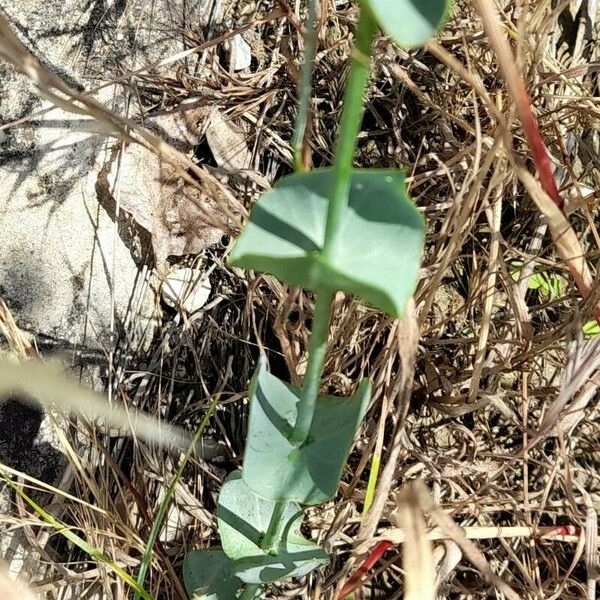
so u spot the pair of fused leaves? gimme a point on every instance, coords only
(379, 244)
(408, 22)
(276, 473)
(243, 520)
(279, 470)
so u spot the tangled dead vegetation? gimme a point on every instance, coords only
(486, 391)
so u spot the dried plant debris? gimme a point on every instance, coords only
(152, 192)
(502, 422)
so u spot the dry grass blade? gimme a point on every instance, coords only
(557, 534)
(516, 85)
(417, 555)
(456, 533)
(565, 238)
(408, 343)
(43, 383)
(580, 384)
(591, 547)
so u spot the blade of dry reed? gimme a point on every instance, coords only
(417, 555)
(457, 535)
(560, 533)
(43, 383)
(591, 547)
(518, 91)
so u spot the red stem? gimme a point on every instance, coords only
(373, 557)
(537, 146)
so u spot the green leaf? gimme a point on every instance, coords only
(380, 242)
(207, 575)
(550, 286)
(591, 328)
(409, 22)
(244, 519)
(279, 470)
(538, 281)
(514, 268)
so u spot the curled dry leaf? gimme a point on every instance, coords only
(227, 143)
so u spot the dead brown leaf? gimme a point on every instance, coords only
(227, 143)
(179, 217)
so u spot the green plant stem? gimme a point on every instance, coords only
(166, 501)
(338, 199)
(249, 592)
(267, 544)
(306, 74)
(316, 361)
(269, 540)
(349, 128)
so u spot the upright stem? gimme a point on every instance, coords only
(249, 592)
(338, 199)
(268, 542)
(349, 128)
(316, 360)
(310, 50)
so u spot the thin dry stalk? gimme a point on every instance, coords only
(417, 554)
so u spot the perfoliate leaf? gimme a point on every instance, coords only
(244, 518)
(207, 575)
(380, 239)
(279, 470)
(409, 22)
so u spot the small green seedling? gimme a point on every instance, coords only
(329, 230)
(549, 285)
(591, 328)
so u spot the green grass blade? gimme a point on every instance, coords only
(372, 483)
(166, 501)
(64, 530)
